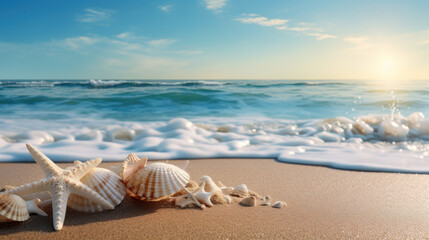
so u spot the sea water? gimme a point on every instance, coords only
(354, 125)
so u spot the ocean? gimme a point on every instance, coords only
(354, 125)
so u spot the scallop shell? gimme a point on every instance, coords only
(156, 181)
(132, 158)
(104, 182)
(14, 208)
(248, 202)
(241, 191)
(279, 204)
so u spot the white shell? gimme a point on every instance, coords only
(156, 181)
(104, 182)
(248, 202)
(14, 208)
(227, 199)
(210, 185)
(241, 191)
(266, 201)
(279, 204)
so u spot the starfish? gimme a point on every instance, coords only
(191, 197)
(204, 197)
(61, 183)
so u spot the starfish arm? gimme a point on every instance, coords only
(59, 206)
(44, 162)
(191, 200)
(37, 186)
(204, 197)
(199, 189)
(86, 192)
(82, 169)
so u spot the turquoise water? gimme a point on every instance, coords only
(164, 100)
(343, 124)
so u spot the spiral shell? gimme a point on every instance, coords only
(210, 185)
(104, 182)
(156, 181)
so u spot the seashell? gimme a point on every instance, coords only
(131, 165)
(210, 185)
(104, 182)
(228, 199)
(279, 204)
(266, 201)
(155, 181)
(132, 158)
(241, 191)
(14, 208)
(248, 201)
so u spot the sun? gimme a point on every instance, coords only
(388, 69)
(387, 65)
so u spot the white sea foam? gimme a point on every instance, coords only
(104, 83)
(375, 142)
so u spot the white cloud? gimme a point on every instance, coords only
(321, 36)
(305, 29)
(356, 40)
(78, 42)
(125, 35)
(161, 42)
(165, 8)
(360, 44)
(280, 24)
(189, 52)
(263, 21)
(215, 5)
(94, 15)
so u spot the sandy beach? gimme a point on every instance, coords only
(322, 203)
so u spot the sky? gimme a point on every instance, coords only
(214, 39)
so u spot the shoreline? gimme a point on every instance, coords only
(322, 203)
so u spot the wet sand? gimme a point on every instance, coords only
(322, 203)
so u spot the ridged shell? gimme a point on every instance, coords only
(132, 158)
(13, 208)
(241, 191)
(104, 182)
(156, 181)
